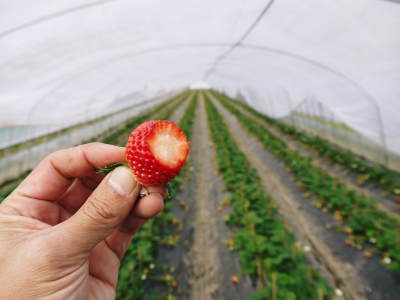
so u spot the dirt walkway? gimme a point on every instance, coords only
(201, 262)
(178, 113)
(344, 267)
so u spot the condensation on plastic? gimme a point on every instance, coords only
(65, 61)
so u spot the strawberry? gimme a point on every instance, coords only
(348, 230)
(156, 152)
(235, 280)
(368, 255)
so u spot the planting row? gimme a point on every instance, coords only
(266, 246)
(379, 176)
(361, 220)
(139, 263)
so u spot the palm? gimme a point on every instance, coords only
(93, 278)
(65, 229)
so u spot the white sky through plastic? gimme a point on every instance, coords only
(66, 61)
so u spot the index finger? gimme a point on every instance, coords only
(52, 177)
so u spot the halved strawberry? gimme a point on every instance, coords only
(156, 152)
(235, 279)
(368, 254)
(348, 230)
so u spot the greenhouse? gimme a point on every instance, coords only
(291, 187)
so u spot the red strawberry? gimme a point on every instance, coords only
(235, 279)
(156, 151)
(348, 230)
(368, 255)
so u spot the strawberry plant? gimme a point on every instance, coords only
(9, 187)
(266, 248)
(136, 267)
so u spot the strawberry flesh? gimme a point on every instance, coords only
(156, 151)
(168, 145)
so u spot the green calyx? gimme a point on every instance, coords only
(107, 169)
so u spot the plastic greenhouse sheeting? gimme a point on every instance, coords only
(69, 60)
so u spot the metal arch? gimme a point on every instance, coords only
(240, 41)
(52, 16)
(124, 84)
(326, 68)
(127, 55)
(316, 64)
(341, 75)
(117, 81)
(381, 132)
(393, 1)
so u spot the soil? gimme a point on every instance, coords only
(201, 263)
(344, 267)
(178, 113)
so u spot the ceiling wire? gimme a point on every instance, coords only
(394, 1)
(54, 15)
(239, 41)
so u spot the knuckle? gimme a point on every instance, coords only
(100, 212)
(91, 145)
(54, 155)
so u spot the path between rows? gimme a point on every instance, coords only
(178, 113)
(201, 262)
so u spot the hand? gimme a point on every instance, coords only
(64, 230)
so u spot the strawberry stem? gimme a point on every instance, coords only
(107, 169)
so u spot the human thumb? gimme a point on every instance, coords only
(104, 210)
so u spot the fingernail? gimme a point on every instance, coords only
(122, 181)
